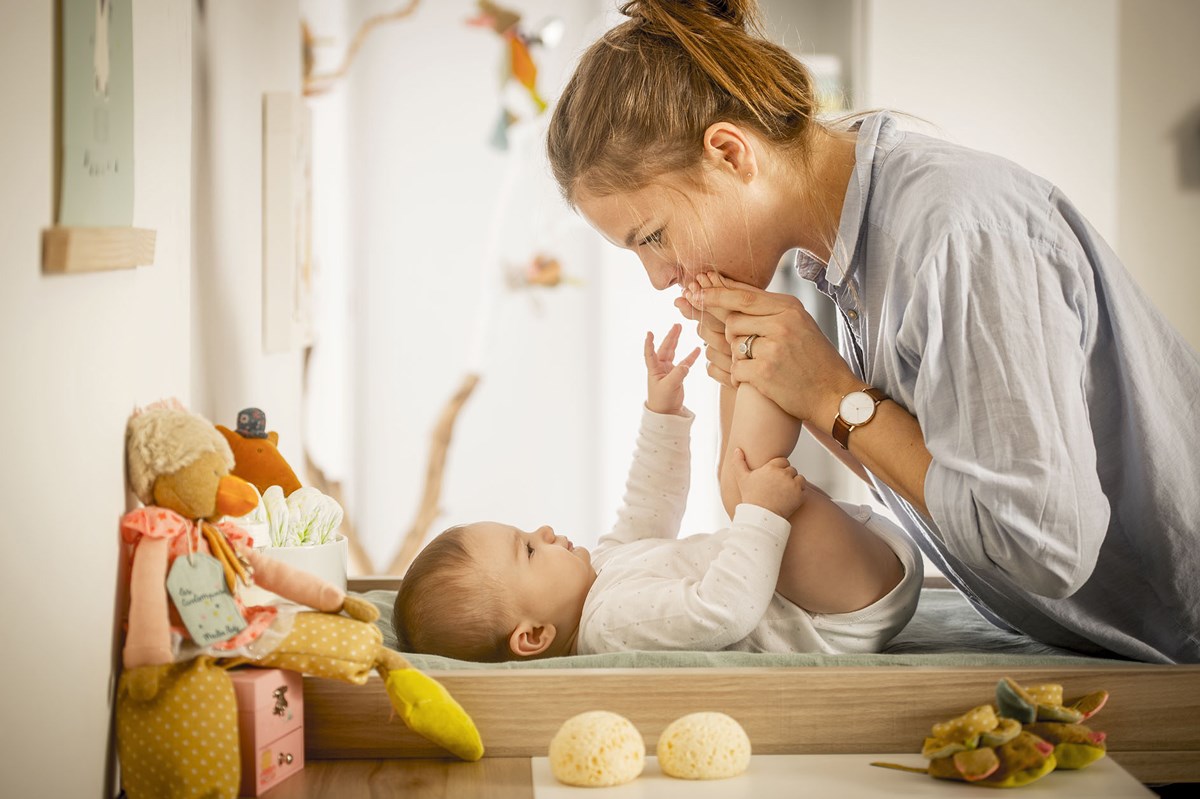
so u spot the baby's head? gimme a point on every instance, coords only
(490, 592)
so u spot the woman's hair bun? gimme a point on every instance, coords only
(734, 12)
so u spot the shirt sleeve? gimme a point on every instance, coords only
(998, 331)
(656, 612)
(659, 477)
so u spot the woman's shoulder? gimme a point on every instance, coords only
(926, 191)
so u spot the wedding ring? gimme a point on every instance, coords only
(745, 348)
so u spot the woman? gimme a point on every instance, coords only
(1002, 382)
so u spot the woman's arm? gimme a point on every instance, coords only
(728, 401)
(892, 446)
(1001, 326)
(994, 329)
(852, 463)
(797, 368)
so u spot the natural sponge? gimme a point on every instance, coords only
(597, 748)
(703, 746)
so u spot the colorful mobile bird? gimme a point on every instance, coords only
(518, 63)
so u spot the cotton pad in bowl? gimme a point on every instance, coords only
(597, 748)
(703, 746)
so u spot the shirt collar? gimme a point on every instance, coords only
(854, 208)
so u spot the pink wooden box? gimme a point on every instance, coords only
(270, 726)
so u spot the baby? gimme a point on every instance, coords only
(794, 572)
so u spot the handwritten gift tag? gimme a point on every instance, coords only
(202, 599)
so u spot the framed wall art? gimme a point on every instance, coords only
(94, 146)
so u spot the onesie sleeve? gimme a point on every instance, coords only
(997, 334)
(657, 612)
(657, 487)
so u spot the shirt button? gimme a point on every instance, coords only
(851, 314)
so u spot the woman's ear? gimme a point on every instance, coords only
(730, 149)
(530, 640)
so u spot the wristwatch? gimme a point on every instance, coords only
(855, 410)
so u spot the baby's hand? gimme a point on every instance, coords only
(664, 377)
(775, 485)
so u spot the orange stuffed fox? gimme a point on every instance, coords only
(256, 453)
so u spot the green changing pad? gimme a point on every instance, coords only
(945, 631)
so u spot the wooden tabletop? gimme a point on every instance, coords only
(490, 778)
(769, 777)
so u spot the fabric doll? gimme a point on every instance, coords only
(185, 620)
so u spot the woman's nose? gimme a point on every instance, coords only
(662, 273)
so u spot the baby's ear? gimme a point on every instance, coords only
(529, 640)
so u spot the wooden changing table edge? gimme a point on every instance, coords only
(1152, 718)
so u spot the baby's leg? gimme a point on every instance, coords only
(833, 563)
(762, 430)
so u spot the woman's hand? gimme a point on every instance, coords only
(776, 485)
(793, 363)
(711, 329)
(664, 377)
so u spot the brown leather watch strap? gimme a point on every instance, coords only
(841, 432)
(841, 429)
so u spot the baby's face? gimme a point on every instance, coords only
(547, 576)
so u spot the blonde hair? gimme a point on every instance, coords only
(163, 438)
(449, 605)
(642, 96)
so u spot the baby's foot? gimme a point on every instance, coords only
(708, 280)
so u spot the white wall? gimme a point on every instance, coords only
(1029, 80)
(1038, 83)
(77, 354)
(548, 435)
(242, 50)
(1159, 152)
(1099, 96)
(328, 434)
(628, 307)
(426, 252)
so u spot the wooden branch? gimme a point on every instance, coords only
(439, 446)
(315, 84)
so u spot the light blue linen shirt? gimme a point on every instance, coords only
(1059, 406)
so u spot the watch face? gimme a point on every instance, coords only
(856, 407)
